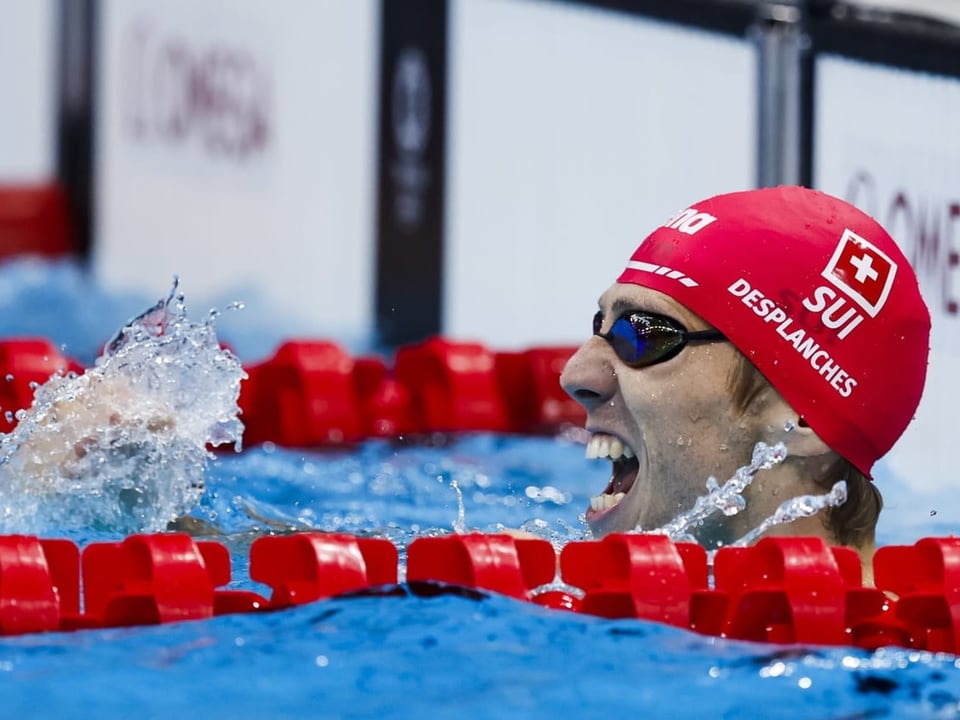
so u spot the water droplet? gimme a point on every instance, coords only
(932, 513)
(789, 426)
(9, 377)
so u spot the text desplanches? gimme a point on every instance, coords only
(802, 343)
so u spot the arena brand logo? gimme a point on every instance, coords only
(689, 221)
(663, 270)
(862, 271)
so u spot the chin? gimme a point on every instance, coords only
(618, 519)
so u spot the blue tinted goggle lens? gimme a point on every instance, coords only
(640, 338)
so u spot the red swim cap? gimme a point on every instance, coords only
(816, 295)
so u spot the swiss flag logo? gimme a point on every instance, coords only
(862, 271)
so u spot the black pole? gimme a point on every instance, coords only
(75, 115)
(410, 188)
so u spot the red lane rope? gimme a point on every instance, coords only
(35, 220)
(784, 590)
(313, 393)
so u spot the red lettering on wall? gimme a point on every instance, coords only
(926, 229)
(177, 93)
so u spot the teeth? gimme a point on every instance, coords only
(605, 446)
(616, 449)
(598, 503)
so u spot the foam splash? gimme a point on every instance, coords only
(124, 446)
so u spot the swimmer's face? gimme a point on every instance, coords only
(676, 418)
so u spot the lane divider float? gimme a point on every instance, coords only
(781, 590)
(312, 393)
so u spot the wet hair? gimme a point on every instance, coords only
(853, 523)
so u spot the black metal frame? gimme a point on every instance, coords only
(76, 102)
(409, 257)
(894, 39)
(731, 17)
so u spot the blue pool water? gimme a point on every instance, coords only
(406, 656)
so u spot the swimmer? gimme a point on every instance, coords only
(774, 315)
(125, 444)
(98, 412)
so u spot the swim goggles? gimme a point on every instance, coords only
(642, 338)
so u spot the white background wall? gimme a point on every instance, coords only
(573, 133)
(236, 147)
(887, 140)
(27, 90)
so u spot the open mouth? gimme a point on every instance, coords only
(623, 475)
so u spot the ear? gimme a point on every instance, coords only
(784, 424)
(802, 441)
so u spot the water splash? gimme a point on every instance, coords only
(124, 446)
(557, 534)
(802, 506)
(727, 499)
(460, 524)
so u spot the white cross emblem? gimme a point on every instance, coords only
(864, 266)
(862, 271)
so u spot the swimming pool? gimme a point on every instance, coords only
(455, 654)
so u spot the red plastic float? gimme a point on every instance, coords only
(29, 598)
(785, 590)
(312, 393)
(640, 576)
(302, 396)
(925, 578)
(24, 364)
(34, 220)
(453, 385)
(530, 384)
(305, 567)
(499, 563)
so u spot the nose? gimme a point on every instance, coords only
(589, 376)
